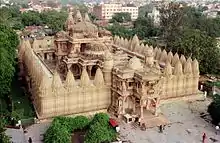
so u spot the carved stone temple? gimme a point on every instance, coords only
(84, 69)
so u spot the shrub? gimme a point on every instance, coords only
(100, 130)
(61, 128)
(102, 118)
(57, 133)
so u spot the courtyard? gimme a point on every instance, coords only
(186, 126)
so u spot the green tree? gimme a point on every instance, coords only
(57, 133)
(11, 16)
(100, 130)
(117, 29)
(55, 20)
(171, 21)
(121, 17)
(144, 28)
(144, 10)
(8, 44)
(31, 18)
(199, 45)
(194, 19)
(62, 127)
(98, 133)
(92, 17)
(3, 137)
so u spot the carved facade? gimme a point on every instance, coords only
(84, 69)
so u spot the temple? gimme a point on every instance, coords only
(84, 70)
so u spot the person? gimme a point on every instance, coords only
(204, 137)
(217, 129)
(30, 140)
(161, 129)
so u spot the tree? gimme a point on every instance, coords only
(194, 19)
(200, 46)
(144, 28)
(121, 17)
(55, 20)
(62, 127)
(117, 29)
(57, 133)
(3, 137)
(144, 10)
(31, 18)
(214, 109)
(11, 17)
(8, 43)
(100, 130)
(92, 17)
(98, 133)
(171, 21)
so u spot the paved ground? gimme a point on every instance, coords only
(186, 126)
(16, 135)
(36, 132)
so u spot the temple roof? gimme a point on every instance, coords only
(135, 63)
(97, 46)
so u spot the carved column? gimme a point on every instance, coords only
(134, 104)
(142, 108)
(148, 104)
(157, 106)
(89, 71)
(123, 103)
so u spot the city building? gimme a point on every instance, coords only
(107, 10)
(85, 70)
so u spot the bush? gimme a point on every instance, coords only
(102, 118)
(57, 133)
(100, 130)
(214, 109)
(62, 127)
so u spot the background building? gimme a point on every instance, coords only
(106, 11)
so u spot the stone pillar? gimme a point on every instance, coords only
(89, 71)
(148, 104)
(75, 49)
(142, 114)
(123, 108)
(51, 56)
(134, 105)
(157, 106)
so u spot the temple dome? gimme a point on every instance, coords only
(135, 63)
(85, 26)
(96, 48)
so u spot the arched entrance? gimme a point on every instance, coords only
(62, 70)
(82, 47)
(128, 105)
(76, 70)
(93, 71)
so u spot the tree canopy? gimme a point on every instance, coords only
(117, 29)
(121, 17)
(144, 28)
(15, 19)
(3, 137)
(196, 44)
(97, 130)
(8, 44)
(100, 130)
(61, 128)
